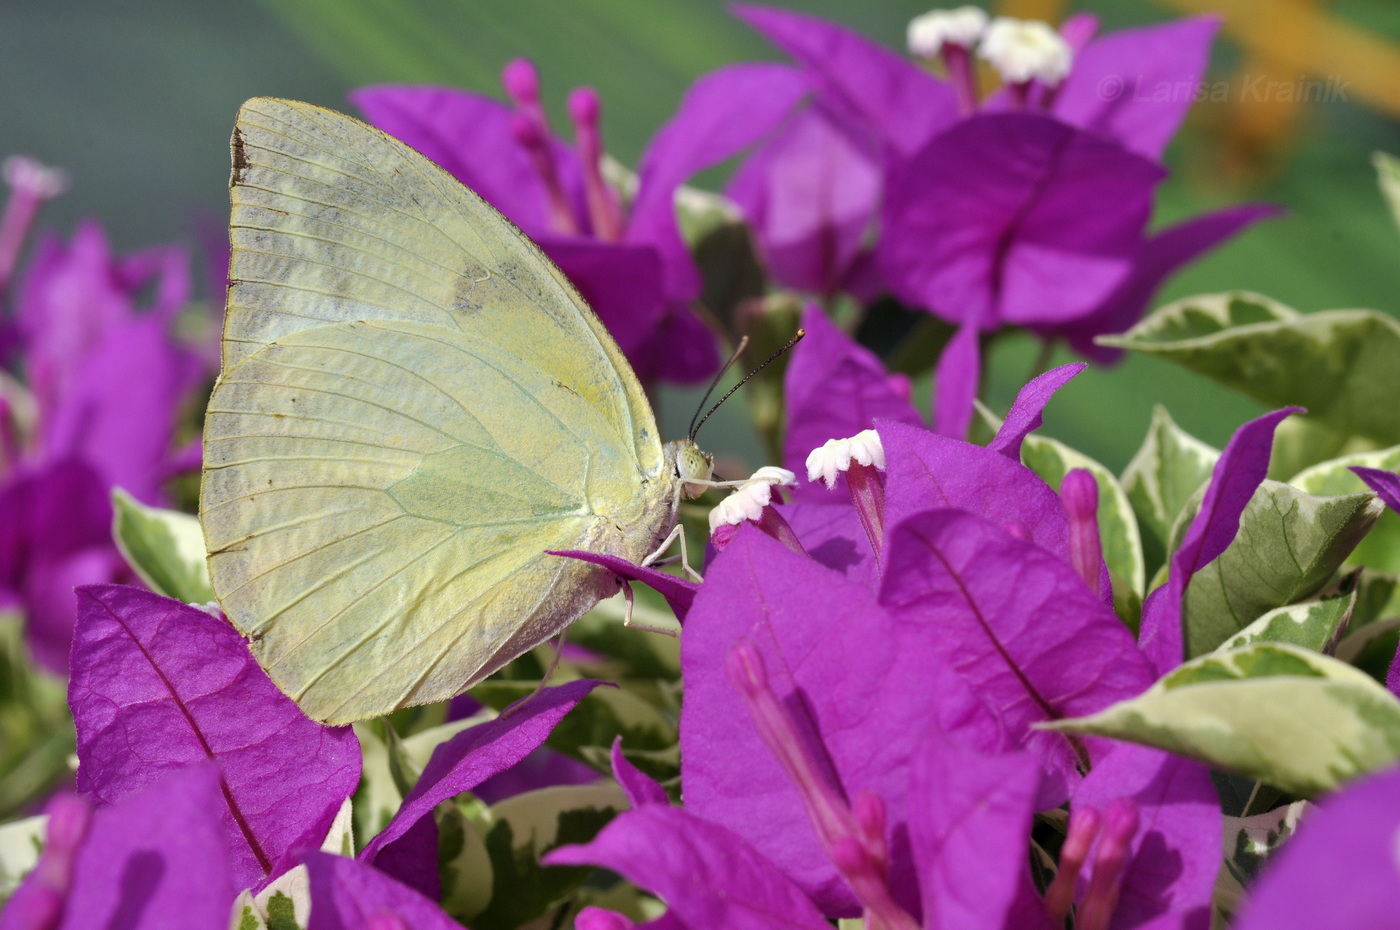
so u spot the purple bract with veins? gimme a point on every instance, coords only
(1027, 207)
(158, 685)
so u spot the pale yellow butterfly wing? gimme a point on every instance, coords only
(414, 406)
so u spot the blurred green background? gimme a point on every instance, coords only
(136, 101)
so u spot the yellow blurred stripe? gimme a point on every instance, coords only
(1051, 11)
(1295, 37)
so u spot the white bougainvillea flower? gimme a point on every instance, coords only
(1023, 50)
(836, 456)
(929, 33)
(748, 499)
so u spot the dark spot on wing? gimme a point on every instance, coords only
(240, 159)
(238, 546)
(561, 384)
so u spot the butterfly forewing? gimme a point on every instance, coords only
(334, 221)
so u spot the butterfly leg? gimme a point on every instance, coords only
(558, 654)
(631, 599)
(629, 621)
(677, 533)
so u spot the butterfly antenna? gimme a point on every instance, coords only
(695, 427)
(733, 357)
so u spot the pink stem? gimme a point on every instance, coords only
(1084, 823)
(531, 130)
(963, 75)
(868, 495)
(586, 112)
(30, 185)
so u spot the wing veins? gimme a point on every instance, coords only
(287, 285)
(456, 440)
(274, 416)
(301, 555)
(291, 487)
(309, 458)
(417, 216)
(499, 450)
(419, 258)
(442, 653)
(511, 379)
(341, 206)
(291, 648)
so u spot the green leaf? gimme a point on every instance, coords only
(36, 727)
(248, 919)
(377, 797)
(277, 905)
(1250, 841)
(1380, 549)
(1371, 649)
(1167, 470)
(1388, 174)
(419, 747)
(281, 913)
(165, 547)
(404, 765)
(463, 862)
(1335, 476)
(636, 654)
(1339, 364)
(1314, 625)
(1118, 530)
(588, 732)
(525, 827)
(20, 845)
(340, 838)
(1295, 719)
(1374, 634)
(1288, 546)
(1302, 442)
(1377, 597)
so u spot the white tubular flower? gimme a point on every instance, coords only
(836, 455)
(930, 32)
(748, 499)
(1024, 50)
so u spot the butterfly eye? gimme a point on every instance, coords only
(694, 469)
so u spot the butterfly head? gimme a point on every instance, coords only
(693, 467)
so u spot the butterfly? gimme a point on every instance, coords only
(414, 405)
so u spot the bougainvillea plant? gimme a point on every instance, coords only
(941, 672)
